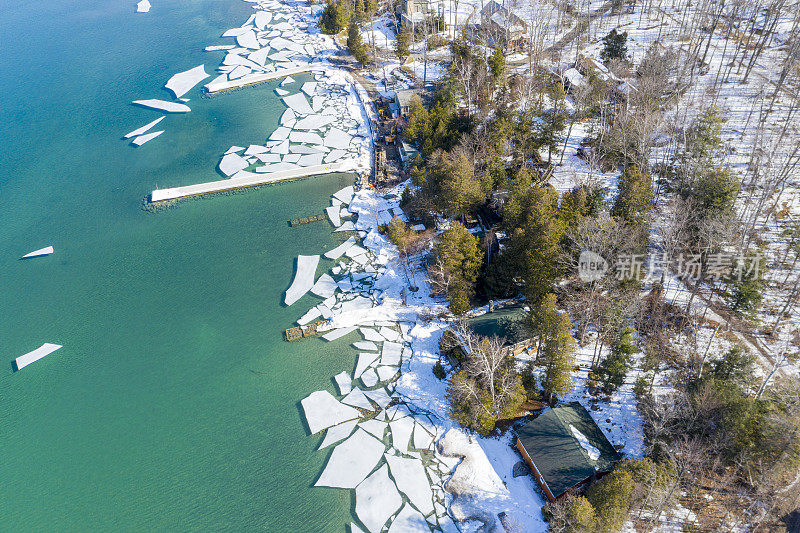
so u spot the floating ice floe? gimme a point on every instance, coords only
(255, 149)
(355, 529)
(182, 82)
(259, 56)
(233, 32)
(322, 410)
(336, 138)
(351, 461)
(345, 195)
(364, 360)
(281, 92)
(304, 279)
(234, 149)
(324, 287)
(305, 137)
(288, 118)
(385, 373)
(377, 499)
(310, 160)
(309, 88)
(365, 346)
(338, 432)
(298, 103)
(343, 382)
(337, 252)
(371, 335)
(144, 129)
(409, 474)
(216, 47)
(232, 163)
(163, 105)
(356, 398)
(401, 432)
(287, 81)
(347, 226)
(261, 19)
(389, 334)
(391, 353)
(141, 139)
(380, 397)
(281, 134)
(314, 122)
(143, 6)
(374, 427)
(268, 158)
(338, 333)
(40, 252)
(31, 357)
(248, 39)
(334, 155)
(369, 377)
(408, 520)
(422, 438)
(333, 215)
(355, 251)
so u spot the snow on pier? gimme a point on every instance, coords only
(31, 357)
(246, 179)
(304, 279)
(251, 79)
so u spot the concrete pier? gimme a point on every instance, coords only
(252, 79)
(251, 180)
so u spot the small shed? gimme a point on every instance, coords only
(565, 449)
(402, 99)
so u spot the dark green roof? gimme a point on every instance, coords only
(557, 452)
(497, 322)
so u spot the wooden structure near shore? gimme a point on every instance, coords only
(301, 332)
(307, 220)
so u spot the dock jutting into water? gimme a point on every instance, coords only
(252, 79)
(252, 180)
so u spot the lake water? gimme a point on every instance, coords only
(174, 402)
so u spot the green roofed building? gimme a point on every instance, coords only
(565, 449)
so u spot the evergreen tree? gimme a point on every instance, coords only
(615, 46)
(453, 184)
(418, 127)
(614, 368)
(553, 120)
(746, 286)
(334, 18)
(611, 499)
(557, 353)
(634, 201)
(403, 48)
(736, 366)
(573, 208)
(354, 43)
(458, 255)
(497, 66)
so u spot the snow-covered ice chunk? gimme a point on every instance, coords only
(374, 427)
(364, 360)
(310, 160)
(309, 316)
(313, 122)
(334, 155)
(377, 499)
(298, 103)
(145, 128)
(217, 47)
(345, 195)
(143, 6)
(40, 252)
(409, 474)
(31, 357)
(337, 252)
(305, 137)
(288, 118)
(390, 355)
(322, 410)
(355, 529)
(333, 215)
(259, 56)
(389, 334)
(304, 279)
(379, 396)
(343, 382)
(232, 163)
(338, 333)
(248, 40)
(422, 439)
(337, 433)
(287, 81)
(356, 398)
(261, 19)
(182, 82)
(369, 378)
(408, 520)
(371, 335)
(163, 105)
(324, 287)
(281, 92)
(365, 345)
(347, 226)
(401, 432)
(336, 138)
(141, 139)
(385, 373)
(233, 32)
(309, 88)
(351, 461)
(281, 133)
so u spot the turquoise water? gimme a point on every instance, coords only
(174, 402)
